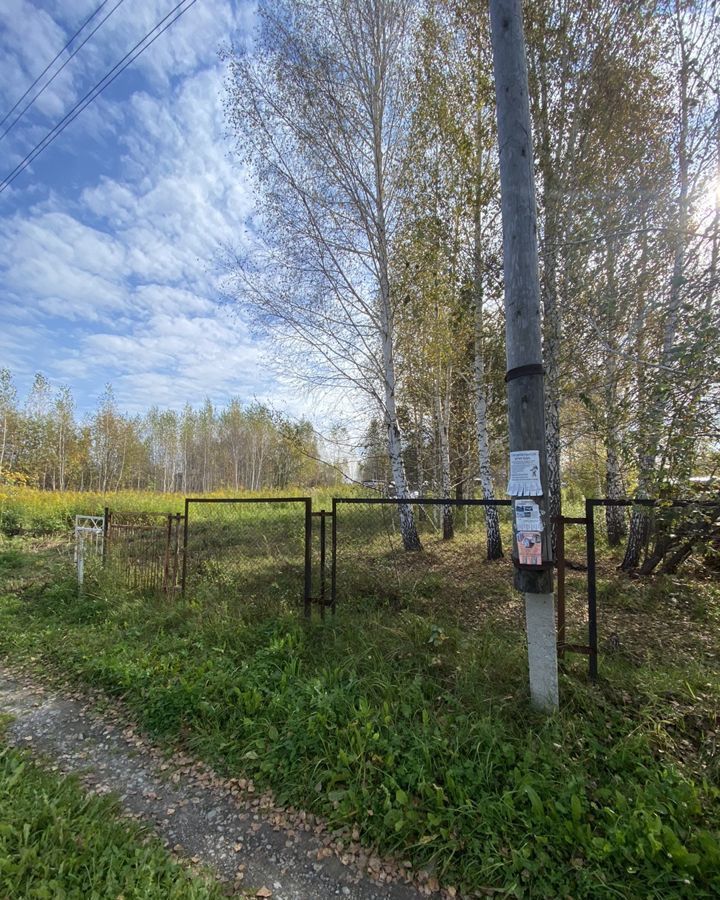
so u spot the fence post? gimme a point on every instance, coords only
(308, 559)
(168, 541)
(322, 563)
(176, 554)
(106, 533)
(80, 554)
(333, 561)
(560, 549)
(592, 589)
(185, 546)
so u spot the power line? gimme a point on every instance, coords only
(104, 82)
(55, 75)
(53, 60)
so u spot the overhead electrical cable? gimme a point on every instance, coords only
(104, 82)
(53, 60)
(55, 74)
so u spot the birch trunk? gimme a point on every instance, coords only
(418, 428)
(411, 539)
(614, 515)
(492, 521)
(62, 439)
(442, 416)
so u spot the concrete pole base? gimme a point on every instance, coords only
(542, 651)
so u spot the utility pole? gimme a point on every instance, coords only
(532, 553)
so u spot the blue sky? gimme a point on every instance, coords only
(109, 242)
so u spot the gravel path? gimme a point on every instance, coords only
(253, 845)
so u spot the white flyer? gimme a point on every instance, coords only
(527, 516)
(524, 478)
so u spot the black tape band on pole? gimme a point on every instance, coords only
(521, 371)
(544, 566)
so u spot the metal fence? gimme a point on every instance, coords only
(279, 548)
(666, 511)
(254, 548)
(142, 549)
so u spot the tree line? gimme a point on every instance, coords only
(369, 131)
(209, 448)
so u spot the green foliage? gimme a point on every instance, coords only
(413, 728)
(57, 843)
(42, 444)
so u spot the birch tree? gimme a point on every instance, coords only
(486, 224)
(8, 416)
(609, 279)
(690, 299)
(428, 253)
(37, 437)
(64, 435)
(452, 216)
(320, 107)
(566, 45)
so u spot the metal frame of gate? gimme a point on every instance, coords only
(307, 503)
(89, 529)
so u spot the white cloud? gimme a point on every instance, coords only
(28, 35)
(119, 281)
(61, 265)
(122, 279)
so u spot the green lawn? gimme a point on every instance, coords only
(413, 724)
(57, 843)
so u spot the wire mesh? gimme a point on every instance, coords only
(372, 564)
(320, 585)
(250, 549)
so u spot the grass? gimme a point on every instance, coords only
(404, 720)
(57, 842)
(28, 511)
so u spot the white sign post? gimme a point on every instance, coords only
(90, 528)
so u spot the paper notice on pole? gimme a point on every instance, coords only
(529, 548)
(527, 516)
(524, 478)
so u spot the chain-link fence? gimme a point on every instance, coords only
(420, 552)
(588, 562)
(250, 548)
(423, 554)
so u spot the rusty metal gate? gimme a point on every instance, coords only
(144, 549)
